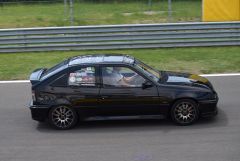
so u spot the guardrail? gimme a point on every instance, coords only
(120, 37)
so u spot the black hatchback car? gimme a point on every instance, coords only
(117, 85)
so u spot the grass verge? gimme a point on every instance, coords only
(89, 13)
(195, 60)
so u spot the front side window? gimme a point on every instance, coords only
(82, 77)
(121, 77)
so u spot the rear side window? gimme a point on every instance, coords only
(85, 76)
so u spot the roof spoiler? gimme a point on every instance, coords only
(36, 75)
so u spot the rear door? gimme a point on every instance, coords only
(84, 88)
(79, 86)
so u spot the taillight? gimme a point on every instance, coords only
(33, 95)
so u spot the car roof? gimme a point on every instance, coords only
(101, 59)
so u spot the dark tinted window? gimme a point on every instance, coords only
(60, 81)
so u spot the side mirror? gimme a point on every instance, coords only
(147, 84)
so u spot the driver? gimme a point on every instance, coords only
(117, 79)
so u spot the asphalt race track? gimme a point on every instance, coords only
(218, 139)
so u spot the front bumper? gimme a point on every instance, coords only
(39, 112)
(208, 108)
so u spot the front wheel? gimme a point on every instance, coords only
(185, 112)
(62, 117)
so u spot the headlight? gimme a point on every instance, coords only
(213, 96)
(43, 97)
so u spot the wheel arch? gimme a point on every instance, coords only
(182, 98)
(60, 102)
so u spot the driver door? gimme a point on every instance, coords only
(119, 98)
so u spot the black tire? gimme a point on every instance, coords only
(62, 117)
(185, 112)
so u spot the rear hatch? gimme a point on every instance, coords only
(36, 75)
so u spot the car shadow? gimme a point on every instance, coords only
(135, 125)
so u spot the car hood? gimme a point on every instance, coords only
(186, 79)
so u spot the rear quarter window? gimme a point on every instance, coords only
(55, 69)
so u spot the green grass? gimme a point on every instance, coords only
(87, 13)
(194, 60)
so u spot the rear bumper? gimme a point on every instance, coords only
(208, 108)
(38, 112)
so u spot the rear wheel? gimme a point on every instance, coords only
(62, 117)
(185, 112)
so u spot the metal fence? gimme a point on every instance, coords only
(120, 37)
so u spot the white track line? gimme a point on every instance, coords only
(221, 75)
(204, 75)
(15, 81)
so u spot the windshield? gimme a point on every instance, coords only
(54, 69)
(149, 71)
